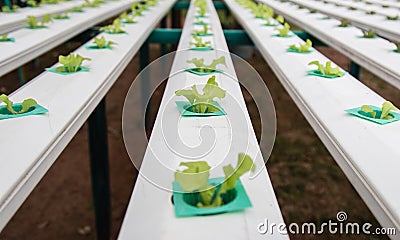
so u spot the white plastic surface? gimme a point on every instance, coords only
(368, 153)
(375, 54)
(31, 144)
(30, 44)
(13, 21)
(150, 214)
(385, 28)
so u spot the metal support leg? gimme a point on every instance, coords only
(21, 76)
(98, 146)
(355, 70)
(145, 81)
(163, 47)
(36, 62)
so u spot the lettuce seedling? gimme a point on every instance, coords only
(26, 104)
(3, 37)
(78, 9)
(327, 70)
(201, 67)
(203, 31)
(60, 16)
(195, 179)
(202, 10)
(71, 63)
(302, 47)
(94, 3)
(384, 113)
(397, 47)
(7, 9)
(352, 8)
(280, 19)
(198, 42)
(32, 3)
(102, 42)
(370, 12)
(49, 1)
(32, 21)
(393, 18)
(284, 32)
(344, 23)
(116, 27)
(203, 103)
(126, 18)
(137, 9)
(369, 34)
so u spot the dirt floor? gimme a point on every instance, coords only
(310, 187)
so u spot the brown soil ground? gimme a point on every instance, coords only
(309, 185)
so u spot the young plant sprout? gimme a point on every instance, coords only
(49, 1)
(137, 8)
(370, 12)
(150, 2)
(4, 38)
(201, 67)
(32, 3)
(344, 23)
(327, 70)
(369, 34)
(116, 27)
(126, 18)
(60, 16)
(303, 48)
(102, 42)
(397, 47)
(393, 18)
(194, 179)
(78, 9)
(383, 114)
(33, 23)
(313, 11)
(280, 19)
(203, 103)
(198, 42)
(284, 32)
(352, 8)
(202, 10)
(204, 31)
(7, 9)
(25, 106)
(71, 63)
(92, 4)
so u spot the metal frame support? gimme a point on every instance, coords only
(8, 3)
(21, 76)
(98, 148)
(355, 70)
(144, 54)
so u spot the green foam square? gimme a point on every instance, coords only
(208, 48)
(297, 51)
(183, 209)
(288, 36)
(81, 69)
(357, 112)
(270, 24)
(195, 71)
(95, 47)
(11, 39)
(319, 74)
(200, 23)
(5, 114)
(203, 34)
(184, 105)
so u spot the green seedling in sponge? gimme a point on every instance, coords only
(327, 70)
(71, 63)
(32, 21)
(125, 17)
(92, 4)
(4, 38)
(284, 32)
(60, 16)
(26, 104)
(195, 179)
(280, 19)
(397, 47)
(385, 112)
(198, 42)
(201, 67)
(344, 23)
(102, 42)
(32, 3)
(116, 27)
(369, 34)
(393, 18)
(203, 31)
(302, 47)
(7, 9)
(203, 103)
(78, 9)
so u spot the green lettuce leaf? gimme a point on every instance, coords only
(386, 108)
(194, 177)
(26, 104)
(71, 63)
